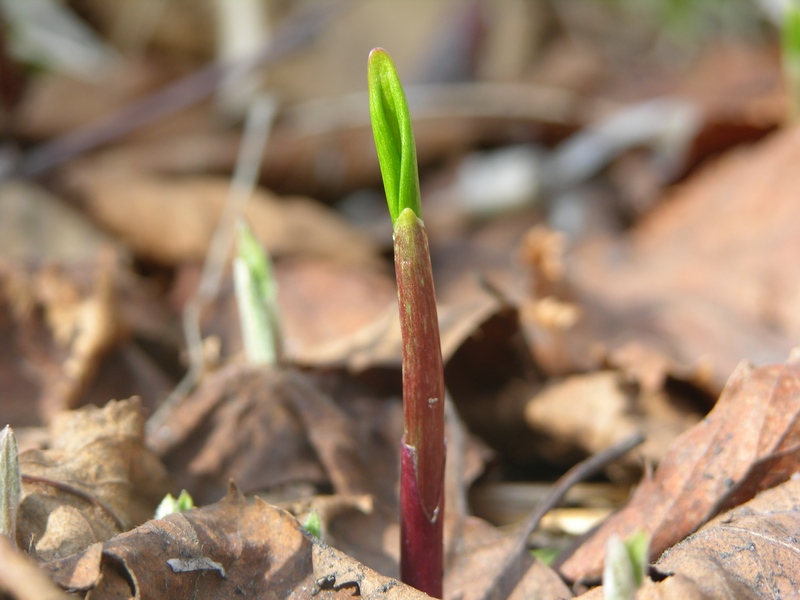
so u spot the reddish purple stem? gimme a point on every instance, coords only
(421, 552)
(423, 450)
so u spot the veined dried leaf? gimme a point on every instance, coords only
(749, 442)
(237, 546)
(96, 480)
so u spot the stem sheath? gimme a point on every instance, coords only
(423, 449)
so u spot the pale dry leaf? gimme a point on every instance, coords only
(596, 410)
(470, 576)
(22, 578)
(747, 443)
(172, 220)
(236, 546)
(37, 226)
(63, 322)
(705, 281)
(96, 480)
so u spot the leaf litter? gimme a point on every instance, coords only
(636, 330)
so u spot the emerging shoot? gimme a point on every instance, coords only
(313, 524)
(257, 299)
(423, 446)
(626, 564)
(170, 504)
(790, 41)
(10, 484)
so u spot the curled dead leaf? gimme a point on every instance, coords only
(747, 443)
(96, 480)
(238, 546)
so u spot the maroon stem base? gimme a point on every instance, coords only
(421, 537)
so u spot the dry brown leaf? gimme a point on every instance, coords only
(96, 480)
(748, 443)
(63, 325)
(378, 343)
(234, 547)
(749, 552)
(470, 577)
(263, 427)
(36, 226)
(172, 220)
(704, 282)
(596, 410)
(73, 333)
(21, 577)
(56, 103)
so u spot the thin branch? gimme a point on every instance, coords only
(178, 95)
(509, 574)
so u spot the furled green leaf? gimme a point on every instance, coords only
(394, 138)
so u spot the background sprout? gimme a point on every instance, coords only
(257, 300)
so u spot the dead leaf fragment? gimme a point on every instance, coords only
(749, 552)
(265, 428)
(35, 226)
(21, 577)
(238, 546)
(471, 576)
(596, 410)
(747, 443)
(62, 322)
(172, 220)
(96, 480)
(706, 280)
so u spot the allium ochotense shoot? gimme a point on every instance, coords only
(423, 445)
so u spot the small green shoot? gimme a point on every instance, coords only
(10, 484)
(626, 565)
(170, 504)
(313, 524)
(394, 138)
(257, 299)
(790, 42)
(546, 555)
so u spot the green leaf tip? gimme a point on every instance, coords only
(10, 484)
(625, 566)
(790, 34)
(394, 137)
(313, 524)
(257, 300)
(170, 504)
(790, 42)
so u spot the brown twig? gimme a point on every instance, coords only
(178, 95)
(509, 574)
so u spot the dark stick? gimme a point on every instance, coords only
(178, 95)
(510, 572)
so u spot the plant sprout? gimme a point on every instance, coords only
(625, 567)
(257, 300)
(313, 524)
(170, 504)
(790, 41)
(423, 445)
(10, 484)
